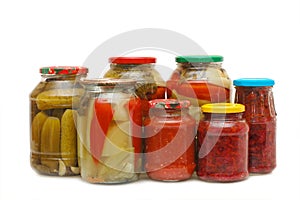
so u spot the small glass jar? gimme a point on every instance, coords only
(149, 83)
(54, 104)
(257, 96)
(170, 145)
(223, 143)
(109, 129)
(201, 80)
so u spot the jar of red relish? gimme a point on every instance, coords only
(256, 94)
(149, 83)
(223, 143)
(201, 80)
(170, 146)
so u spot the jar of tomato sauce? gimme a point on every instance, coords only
(149, 83)
(201, 80)
(256, 94)
(53, 104)
(223, 143)
(169, 144)
(109, 127)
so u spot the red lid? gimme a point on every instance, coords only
(169, 103)
(132, 60)
(64, 70)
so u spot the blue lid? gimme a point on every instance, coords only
(254, 82)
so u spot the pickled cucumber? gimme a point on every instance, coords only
(50, 143)
(36, 129)
(68, 142)
(59, 98)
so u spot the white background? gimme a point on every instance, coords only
(257, 39)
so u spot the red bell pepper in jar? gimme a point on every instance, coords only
(256, 94)
(222, 143)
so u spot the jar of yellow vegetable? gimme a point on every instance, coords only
(54, 103)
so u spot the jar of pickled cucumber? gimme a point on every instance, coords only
(201, 80)
(149, 83)
(109, 129)
(54, 104)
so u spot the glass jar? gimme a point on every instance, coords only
(54, 103)
(256, 94)
(222, 143)
(201, 80)
(109, 129)
(169, 143)
(149, 83)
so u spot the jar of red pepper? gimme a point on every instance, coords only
(201, 79)
(222, 143)
(109, 124)
(256, 94)
(170, 146)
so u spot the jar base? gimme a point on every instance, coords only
(224, 178)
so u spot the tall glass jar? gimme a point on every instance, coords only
(109, 130)
(149, 83)
(201, 80)
(170, 147)
(256, 94)
(223, 143)
(54, 104)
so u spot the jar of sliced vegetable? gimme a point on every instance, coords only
(223, 143)
(109, 129)
(256, 94)
(201, 80)
(149, 83)
(54, 104)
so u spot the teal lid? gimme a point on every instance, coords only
(253, 82)
(199, 59)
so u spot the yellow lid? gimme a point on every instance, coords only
(223, 108)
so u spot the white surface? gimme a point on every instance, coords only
(257, 38)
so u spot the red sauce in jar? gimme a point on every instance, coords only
(169, 143)
(256, 95)
(222, 146)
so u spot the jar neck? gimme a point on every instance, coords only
(62, 77)
(200, 65)
(223, 116)
(128, 67)
(168, 113)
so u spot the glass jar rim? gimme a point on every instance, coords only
(108, 82)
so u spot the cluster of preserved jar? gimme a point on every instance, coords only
(131, 122)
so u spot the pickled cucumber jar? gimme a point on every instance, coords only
(149, 83)
(201, 80)
(54, 104)
(109, 126)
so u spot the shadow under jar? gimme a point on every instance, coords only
(109, 131)
(54, 104)
(222, 143)
(169, 143)
(257, 96)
